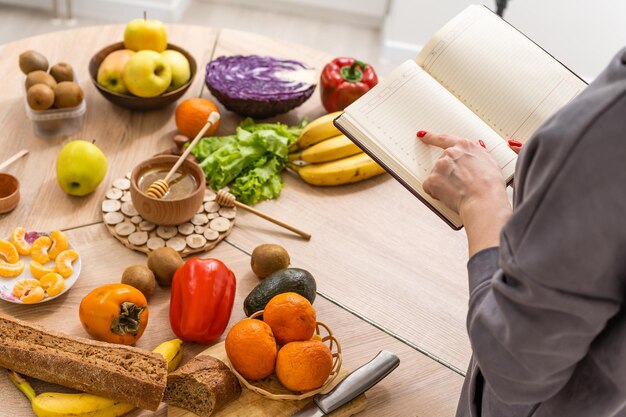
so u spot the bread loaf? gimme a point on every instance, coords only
(118, 372)
(202, 386)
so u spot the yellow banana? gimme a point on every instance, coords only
(331, 149)
(56, 404)
(172, 351)
(318, 130)
(343, 171)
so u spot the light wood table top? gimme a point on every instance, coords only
(420, 386)
(376, 251)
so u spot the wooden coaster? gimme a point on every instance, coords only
(203, 232)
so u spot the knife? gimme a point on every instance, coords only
(352, 386)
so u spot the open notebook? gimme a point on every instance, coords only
(477, 77)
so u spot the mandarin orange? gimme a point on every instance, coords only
(304, 366)
(192, 114)
(291, 317)
(251, 348)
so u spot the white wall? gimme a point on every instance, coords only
(584, 35)
(115, 10)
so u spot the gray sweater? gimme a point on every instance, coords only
(547, 320)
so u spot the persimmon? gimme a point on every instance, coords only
(251, 348)
(114, 313)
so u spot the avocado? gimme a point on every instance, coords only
(285, 280)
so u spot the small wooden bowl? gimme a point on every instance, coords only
(167, 212)
(9, 192)
(271, 388)
(134, 102)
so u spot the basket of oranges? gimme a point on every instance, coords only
(283, 352)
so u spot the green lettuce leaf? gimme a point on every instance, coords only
(251, 159)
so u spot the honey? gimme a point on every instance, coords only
(181, 184)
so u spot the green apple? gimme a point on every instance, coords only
(81, 166)
(141, 34)
(110, 71)
(181, 71)
(147, 74)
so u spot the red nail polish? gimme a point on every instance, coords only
(515, 143)
(421, 133)
(481, 143)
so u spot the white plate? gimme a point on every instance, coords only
(7, 284)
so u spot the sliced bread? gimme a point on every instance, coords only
(122, 373)
(202, 386)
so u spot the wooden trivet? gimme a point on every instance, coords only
(211, 223)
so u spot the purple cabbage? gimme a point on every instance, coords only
(257, 86)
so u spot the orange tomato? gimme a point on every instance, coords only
(114, 313)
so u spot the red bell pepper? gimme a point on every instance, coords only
(343, 81)
(203, 293)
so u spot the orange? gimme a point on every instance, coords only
(8, 270)
(291, 317)
(304, 366)
(9, 252)
(59, 243)
(53, 283)
(251, 348)
(64, 262)
(192, 114)
(38, 270)
(39, 249)
(29, 291)
(18, 239)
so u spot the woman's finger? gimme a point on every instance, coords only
(438, 140)
(515, 146)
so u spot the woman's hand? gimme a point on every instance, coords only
(468, 180)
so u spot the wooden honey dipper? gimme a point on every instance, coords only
(159, 188)
(224, 198)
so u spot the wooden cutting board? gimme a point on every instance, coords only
(250, 404)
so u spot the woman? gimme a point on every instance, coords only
(547, 280)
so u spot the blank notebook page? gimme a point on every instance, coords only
(409, 100)
(508, 81)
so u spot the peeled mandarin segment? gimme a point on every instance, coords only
(8, 270)
(53, 283)
(38, 270)
(25, 286)
(64, 262)
(34, 296)
(9, 252)
(18, 239)
(59, 243)
(39, 249)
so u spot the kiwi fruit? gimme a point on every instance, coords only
(140, 277)
(67, 94)
(268, 258)
(33, 61)
(164, 262)
(40, 97)
(62, 72)
(40, 77)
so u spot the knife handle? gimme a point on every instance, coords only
(358, 381)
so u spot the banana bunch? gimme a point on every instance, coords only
(331, 158)
(56, 404)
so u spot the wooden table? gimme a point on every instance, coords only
(391, 274)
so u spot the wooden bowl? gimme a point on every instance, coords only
(271, 388)
(167, 212)
(9, 192)
(134, 102)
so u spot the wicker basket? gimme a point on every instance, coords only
(271, 388)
